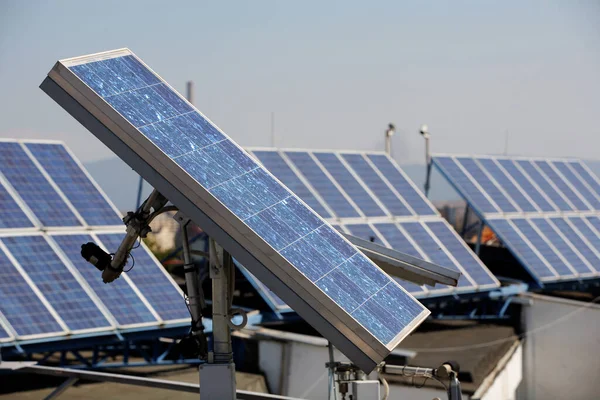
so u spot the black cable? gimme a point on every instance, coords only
(132, 263)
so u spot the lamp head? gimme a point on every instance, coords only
(390, 130)
(424, 130)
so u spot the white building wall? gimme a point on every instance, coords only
(561, 350)
(504, 383)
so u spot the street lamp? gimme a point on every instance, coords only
(389, 132)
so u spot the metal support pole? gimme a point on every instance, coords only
(479, 235)
(61, 389)
(428, 161)
(454, 390)
(217, 378)
(463, 229)
(138, 202)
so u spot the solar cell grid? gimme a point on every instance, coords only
(522, 250)
(489, 187)
(590, 254)
(588, 178)
(589, 234)
(262, 204)
(56, 282)
(73, 182)
(273, 161)
(21, 306)
(33, 188)
(521, 179)
(11, 215)
(119, 297)
(350, 185)
(376, 184)
(561, 245)
(562, 185)
(576, 181)
(520, 198)
(403, 186)
(531, 170)
(322, 184)
(464, 184)
(542, 245)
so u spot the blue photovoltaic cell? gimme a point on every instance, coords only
(257, 199)
(430, 247)
(471, 166)
(350, 185)
(322, 184)
(543, 184)
(465, 257)
(377, 185)
(3, 333)
(397, 239)
(543, 247)
(365, 232)
(562, 185)
(21, 307)
(590, 179)
(73, 182)
(595, 221)
(409, 193)
(505, 182)
(33, 188)
(11, 215)
(160, 292)
(456, 176)
(118, 297)
(273, 161)
(590, 235)
(520, 248)
(580, 185)
(574, 238)
(533, 193)
(560, 245)
(56, 282)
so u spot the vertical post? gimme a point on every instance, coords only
(190, 91)
(463, 229)
(425, 133)
(389, 132)
(479, 235)
(138, 202)
(217, 378)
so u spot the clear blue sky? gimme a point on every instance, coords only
(334, 73)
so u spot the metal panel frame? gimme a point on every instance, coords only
(215, 219)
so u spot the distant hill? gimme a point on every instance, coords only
(121, 183)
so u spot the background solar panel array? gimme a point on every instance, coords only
(367, 195)
(49, 206)
(544, 210)
(242, 185)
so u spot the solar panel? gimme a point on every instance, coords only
(74, 183)
(274, 162)
(59, 286)
(27, 313)
(546, 229)
(35, 190)
(338, 171)
(323, 184)
(11, 215)
(359, 308)
(152, 280)
(122, 299)
(402, 184)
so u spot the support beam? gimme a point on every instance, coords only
(60, 390)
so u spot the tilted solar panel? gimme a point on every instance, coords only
(11, 215)
(35, 190)
(74, 183)
(537, 207)
(57, 283)
(364, 312)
